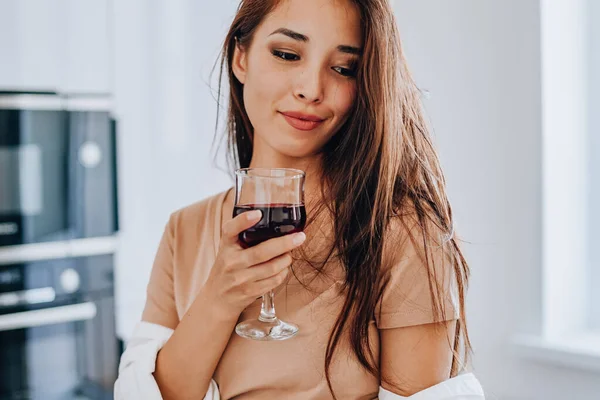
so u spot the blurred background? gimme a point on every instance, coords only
(107, 119)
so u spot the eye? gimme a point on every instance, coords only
(285, 56)
(348, 72)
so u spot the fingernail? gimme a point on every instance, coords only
(252, 215)
(299, 238)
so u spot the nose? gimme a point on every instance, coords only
(309, 86)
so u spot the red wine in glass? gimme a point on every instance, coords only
(277, 220)
(279, 194)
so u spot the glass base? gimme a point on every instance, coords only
(257, 330)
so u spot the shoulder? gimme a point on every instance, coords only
(413, 233)
(420, 249)
(201, 214)
(420, 283)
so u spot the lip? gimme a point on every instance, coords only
(303, 122)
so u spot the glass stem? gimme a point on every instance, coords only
(267, 310)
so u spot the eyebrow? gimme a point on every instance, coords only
(289, 33)
(349, 49)
(303, 38)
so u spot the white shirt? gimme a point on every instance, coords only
(136, 379)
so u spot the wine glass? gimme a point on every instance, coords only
(279, 194)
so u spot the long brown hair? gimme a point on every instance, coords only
(381, 166)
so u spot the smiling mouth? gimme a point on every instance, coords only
(302, 124)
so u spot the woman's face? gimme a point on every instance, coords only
(299, 74)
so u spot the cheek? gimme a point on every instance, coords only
(343, 98)
(264, 86)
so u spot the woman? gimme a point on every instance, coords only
(378, 282)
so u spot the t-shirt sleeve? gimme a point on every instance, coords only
(406, 299)
(160, 294)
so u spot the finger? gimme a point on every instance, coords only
(263, 286)
(273, 248)
(233, 227)
(268, 269)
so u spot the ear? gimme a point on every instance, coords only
(240, 62)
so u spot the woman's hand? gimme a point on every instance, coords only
(239, 275)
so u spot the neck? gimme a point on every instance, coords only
(312, 166)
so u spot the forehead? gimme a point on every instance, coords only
(323, 21)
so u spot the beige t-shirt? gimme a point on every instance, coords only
(294, 368)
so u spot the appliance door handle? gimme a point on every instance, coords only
(48, 316)
(29, 296)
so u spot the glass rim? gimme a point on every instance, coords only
(297, 173)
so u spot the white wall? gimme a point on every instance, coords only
(594, 129)
(58, 45)
(481, 62)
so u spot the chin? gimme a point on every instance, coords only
(294, 149)
(296, 153)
